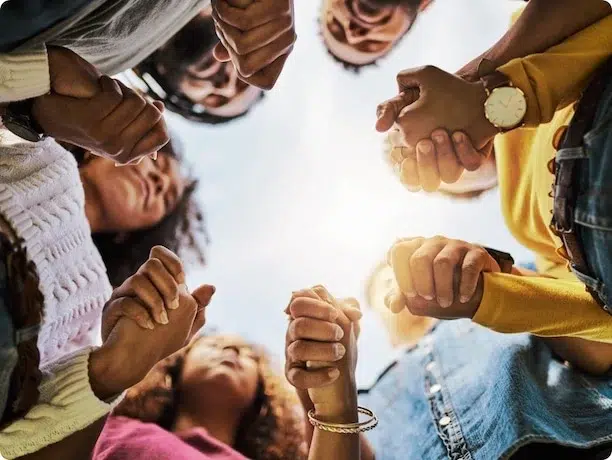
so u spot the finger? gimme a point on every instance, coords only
(448, 164)
(125, 113)
(154, 141)
(409, 173)
(428, 166)
(171, 261)
(159, 105)
(469, 157)
(163, 281)
(314, 329)
(203, 295)
(198, 323)
(254, 15)
(304, 307)
(399, 257)
(306, 350)
(261, 58)
(421, 268)
(395, 301)
(445, 265)
(267, 78)
(323, 294)
(136, 311)
(144, 135)
(107, 100)
(388, 112)
(473, 264)
(220, 53)
(243, 43)
(143, 288)
(315, 378)
(308, 293)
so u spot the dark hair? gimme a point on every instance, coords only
(195, 41)
(183, 231)
(411, 5)
(272, 428)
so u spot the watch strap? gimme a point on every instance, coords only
(495, 80)
(18, 119)
(503, 259)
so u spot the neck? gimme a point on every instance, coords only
(92, 212)
(222, 426)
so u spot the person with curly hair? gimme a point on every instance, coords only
(135, 207)
(217, 398)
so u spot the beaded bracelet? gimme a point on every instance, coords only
(345, 428)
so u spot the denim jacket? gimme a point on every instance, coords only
(468, 393)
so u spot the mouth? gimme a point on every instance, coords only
(144, 186)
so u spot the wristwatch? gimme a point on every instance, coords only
(506, 105)
(503, 259)
(18, 119)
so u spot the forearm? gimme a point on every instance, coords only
(541, 25)
(592, 357)
(77, 446)
(542, 306)
(339, 446)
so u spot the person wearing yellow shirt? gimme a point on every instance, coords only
(554, 302)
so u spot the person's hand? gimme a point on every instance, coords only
(438, 277)
(148, 294)
(96, 112)
(257, 36)
(430, 98)
(442, 158)
(321, 351)
(129, 352)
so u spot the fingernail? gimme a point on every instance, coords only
(439, 138)
(117, 165)
(154, 156)
(358, 314)
(425, 147)
(164, 317)
(174, 304)
(464, 299)
(339, 333)
(339, 350)
(428, 297)
(333, 373)
(388, 299)
(444, 303)
(150, 324)
(458, 138)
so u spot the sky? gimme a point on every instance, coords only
(297, 193)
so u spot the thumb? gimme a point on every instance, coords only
(220, 53)
(388, 112)
(203, 294)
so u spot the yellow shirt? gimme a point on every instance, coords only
(552, 81)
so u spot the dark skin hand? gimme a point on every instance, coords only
(256, 36)
(96, 112)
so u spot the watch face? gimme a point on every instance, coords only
(22, 131)
(506, 107)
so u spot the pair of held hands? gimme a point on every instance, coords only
(149, 317)
(102, 115)
(436, 277)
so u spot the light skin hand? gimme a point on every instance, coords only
(438, 273)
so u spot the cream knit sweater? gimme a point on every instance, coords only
(112, 35)
(42, 199)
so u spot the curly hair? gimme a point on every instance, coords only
(183, 231)
(272, 429)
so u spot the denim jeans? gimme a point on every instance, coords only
(23, 19)
(593, 213)
(8, 348)
(468, 393)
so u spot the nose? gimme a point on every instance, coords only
(161, 182)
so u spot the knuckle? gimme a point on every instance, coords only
(443, 263)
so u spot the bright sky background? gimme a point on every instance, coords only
(297, 193)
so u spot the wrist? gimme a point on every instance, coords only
(102, 379)
(337, 413)
(483, 126)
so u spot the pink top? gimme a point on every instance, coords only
(125, 438)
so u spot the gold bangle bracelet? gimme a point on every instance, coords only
(345, 428)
